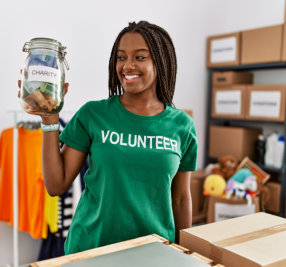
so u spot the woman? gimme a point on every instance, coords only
(141, 149)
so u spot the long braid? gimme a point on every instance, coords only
(164, 56)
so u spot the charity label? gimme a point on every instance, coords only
(39, 73)
(223, 50)
(228, 102)
(265, 104)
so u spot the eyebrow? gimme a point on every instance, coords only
(137, 50)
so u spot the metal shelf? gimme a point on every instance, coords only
(271, 65)
(245, 122)
(269, 168)
(235, 122)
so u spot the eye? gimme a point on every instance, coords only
(141, 57)
(120, 58)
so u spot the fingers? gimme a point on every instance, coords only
(19, 84)
(66, 88)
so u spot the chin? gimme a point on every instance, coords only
(133, 91)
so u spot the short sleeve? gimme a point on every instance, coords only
(76, 134)
(190, 151)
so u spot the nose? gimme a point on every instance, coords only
(129, 65)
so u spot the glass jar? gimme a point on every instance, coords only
(43, 77)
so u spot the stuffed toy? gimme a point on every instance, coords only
(214, 185)
(226, 166)
(241, 175)
(242, 185)
(238, 190)
(251, 185)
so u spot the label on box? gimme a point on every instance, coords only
(223, 50)
(228, 102)
(265, 104)
(227, 211)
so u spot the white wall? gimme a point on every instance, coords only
(88, 29)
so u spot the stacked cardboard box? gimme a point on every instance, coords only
(262, 45)
(253, 240)
(223, 50)
(265, 102)
(220, 208)
(228, 94)
(273, 203)
(235, 141)
(254, 46)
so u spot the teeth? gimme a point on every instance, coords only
(130, 77)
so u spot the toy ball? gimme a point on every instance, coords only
(214, 185)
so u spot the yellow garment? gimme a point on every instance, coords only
(51, 214)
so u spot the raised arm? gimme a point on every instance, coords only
(60, 167)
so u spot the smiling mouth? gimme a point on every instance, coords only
(130, 77)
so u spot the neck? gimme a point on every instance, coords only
(142, 104)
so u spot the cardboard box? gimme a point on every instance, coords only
(273, 204)
(253, 240)
(284, 42)
(198, 198)
(189, 112)
(261, 45)
(220, 208)
(225, 78)
(265, 102)
(235, 141)
(223, 50)
(228, 102)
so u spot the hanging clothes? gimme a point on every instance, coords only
(30, 180)
(51, 214)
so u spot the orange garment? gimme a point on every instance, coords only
(30, 180)
(6, 175)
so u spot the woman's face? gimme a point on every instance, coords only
(135, 67)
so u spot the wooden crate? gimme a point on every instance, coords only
(261, 175)
(59, 261)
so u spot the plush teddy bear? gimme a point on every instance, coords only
(226, 166)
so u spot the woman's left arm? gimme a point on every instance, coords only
(182, 202)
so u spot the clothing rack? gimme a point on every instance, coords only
(15, 184)
(15, 189)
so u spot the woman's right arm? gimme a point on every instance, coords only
(60, 166)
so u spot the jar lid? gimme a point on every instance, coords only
(44, 42)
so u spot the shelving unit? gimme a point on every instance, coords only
(238, 122)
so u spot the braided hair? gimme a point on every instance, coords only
(164, 56)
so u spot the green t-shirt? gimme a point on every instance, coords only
(132, 161)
